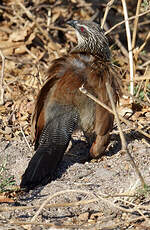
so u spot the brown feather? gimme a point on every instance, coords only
(61, 108)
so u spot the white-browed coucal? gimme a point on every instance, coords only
(61, 108)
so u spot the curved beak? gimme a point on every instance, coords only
(72, 23)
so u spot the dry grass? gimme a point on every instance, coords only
(27, 46)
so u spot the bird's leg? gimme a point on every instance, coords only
(99, 145)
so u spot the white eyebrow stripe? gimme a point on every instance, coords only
(80, 39)
(87, 28)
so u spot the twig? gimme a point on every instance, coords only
(122, 22)
(28, 13)
(127, 122)
(84, 91)
(57, 205)
(25, 138)
(148, 144)
(135, 206)
(147, 71)
(129, 48)
(140, 218)
(136, 98)
(123, 141)
(108, 7)
(142, 78)
(66, 204)
(54, 226)
(49, 18)
(32, 55)
(1, 80)
(117, 131)
(95, 15)
(131, 210)
(139, 88)
(136, 23)
(146, 63)
(120, 45)
(145, 94)
(143, 45)
(136, 54)
(51, 197)
(51, 26)
(99, 197)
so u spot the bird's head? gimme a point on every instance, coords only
(91, 39)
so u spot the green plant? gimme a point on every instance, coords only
(145, 4)
(145, 192)
(141, 93)
(5, 182)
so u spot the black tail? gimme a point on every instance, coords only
(41, 167)
(52, 145)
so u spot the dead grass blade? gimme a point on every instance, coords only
(1, 80)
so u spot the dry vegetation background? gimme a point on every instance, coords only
(32, 34)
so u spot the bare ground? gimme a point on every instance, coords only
(112, 174)
(84, 195)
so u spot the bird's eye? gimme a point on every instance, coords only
(82, 29)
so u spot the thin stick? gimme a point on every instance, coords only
(117, 131)
(146, 83)
(49, 18)
(89, 226)
(99, 197)
(1, 80)
(51, 197)
(135, 206)
(108, 7)
(53, 226)
(67, 204)
(145, 94)
(129, 123)
(25, 138)
(28, 13)
(139, 88)
(120, 45)
(84, 91)
(32, 55)
(136, 98)
(146, 63)
(142, 78)
(57, 205)
(144, 43)
(123, 141)
(136, 24)
(148, 144)
(74, 191)
(147, 71)
(122, 22)
(131, 63)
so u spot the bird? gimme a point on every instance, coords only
(61, 108)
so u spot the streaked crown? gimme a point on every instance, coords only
(91, 39)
